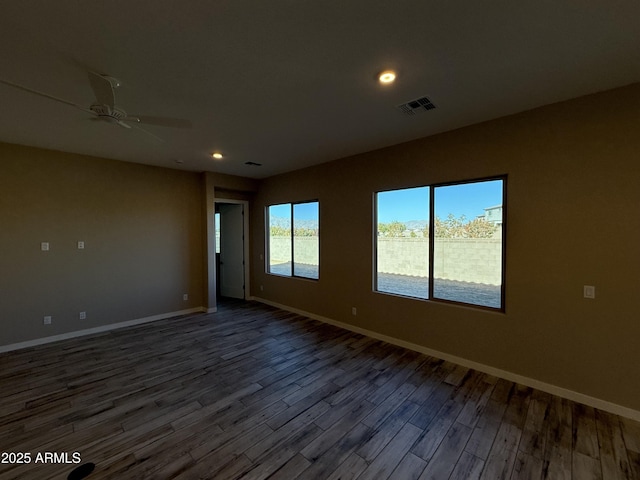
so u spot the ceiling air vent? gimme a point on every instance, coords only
(416, 106)
(253, 164)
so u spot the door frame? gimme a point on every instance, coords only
(245, 242)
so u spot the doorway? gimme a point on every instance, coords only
(231, 228)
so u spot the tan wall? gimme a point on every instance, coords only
(142, 227)
(573, 219)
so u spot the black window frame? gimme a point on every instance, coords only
(432, 189)
(292, 237)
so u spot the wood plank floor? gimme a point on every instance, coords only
(253, 392)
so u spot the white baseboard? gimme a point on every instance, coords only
(497, 372)
(100, 329)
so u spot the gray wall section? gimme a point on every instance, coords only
(572, 200)
(142, 228)
(475, 260)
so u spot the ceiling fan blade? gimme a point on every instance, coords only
(45, 95)
(160, 121)
(103, 89)
(137, 127)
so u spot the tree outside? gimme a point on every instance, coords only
(451, 227)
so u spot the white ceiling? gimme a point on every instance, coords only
(293, 83)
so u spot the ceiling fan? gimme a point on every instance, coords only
(105, 109)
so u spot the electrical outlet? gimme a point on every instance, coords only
(47, 320)
(354, 311)
(185, 297)
(80, 245)
(261, 288)
(83, 315)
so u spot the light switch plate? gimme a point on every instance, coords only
(44, 246)
(589, 291)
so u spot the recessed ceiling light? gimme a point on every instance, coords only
(387, 77)
(216, 155)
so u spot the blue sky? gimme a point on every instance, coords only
(306, 211)
(468, 199)
(302, 211)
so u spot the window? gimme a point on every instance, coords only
(402, 253)
(280, 244)
(293, 239)
(216, 223)
(468, 243)
(443, 242)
